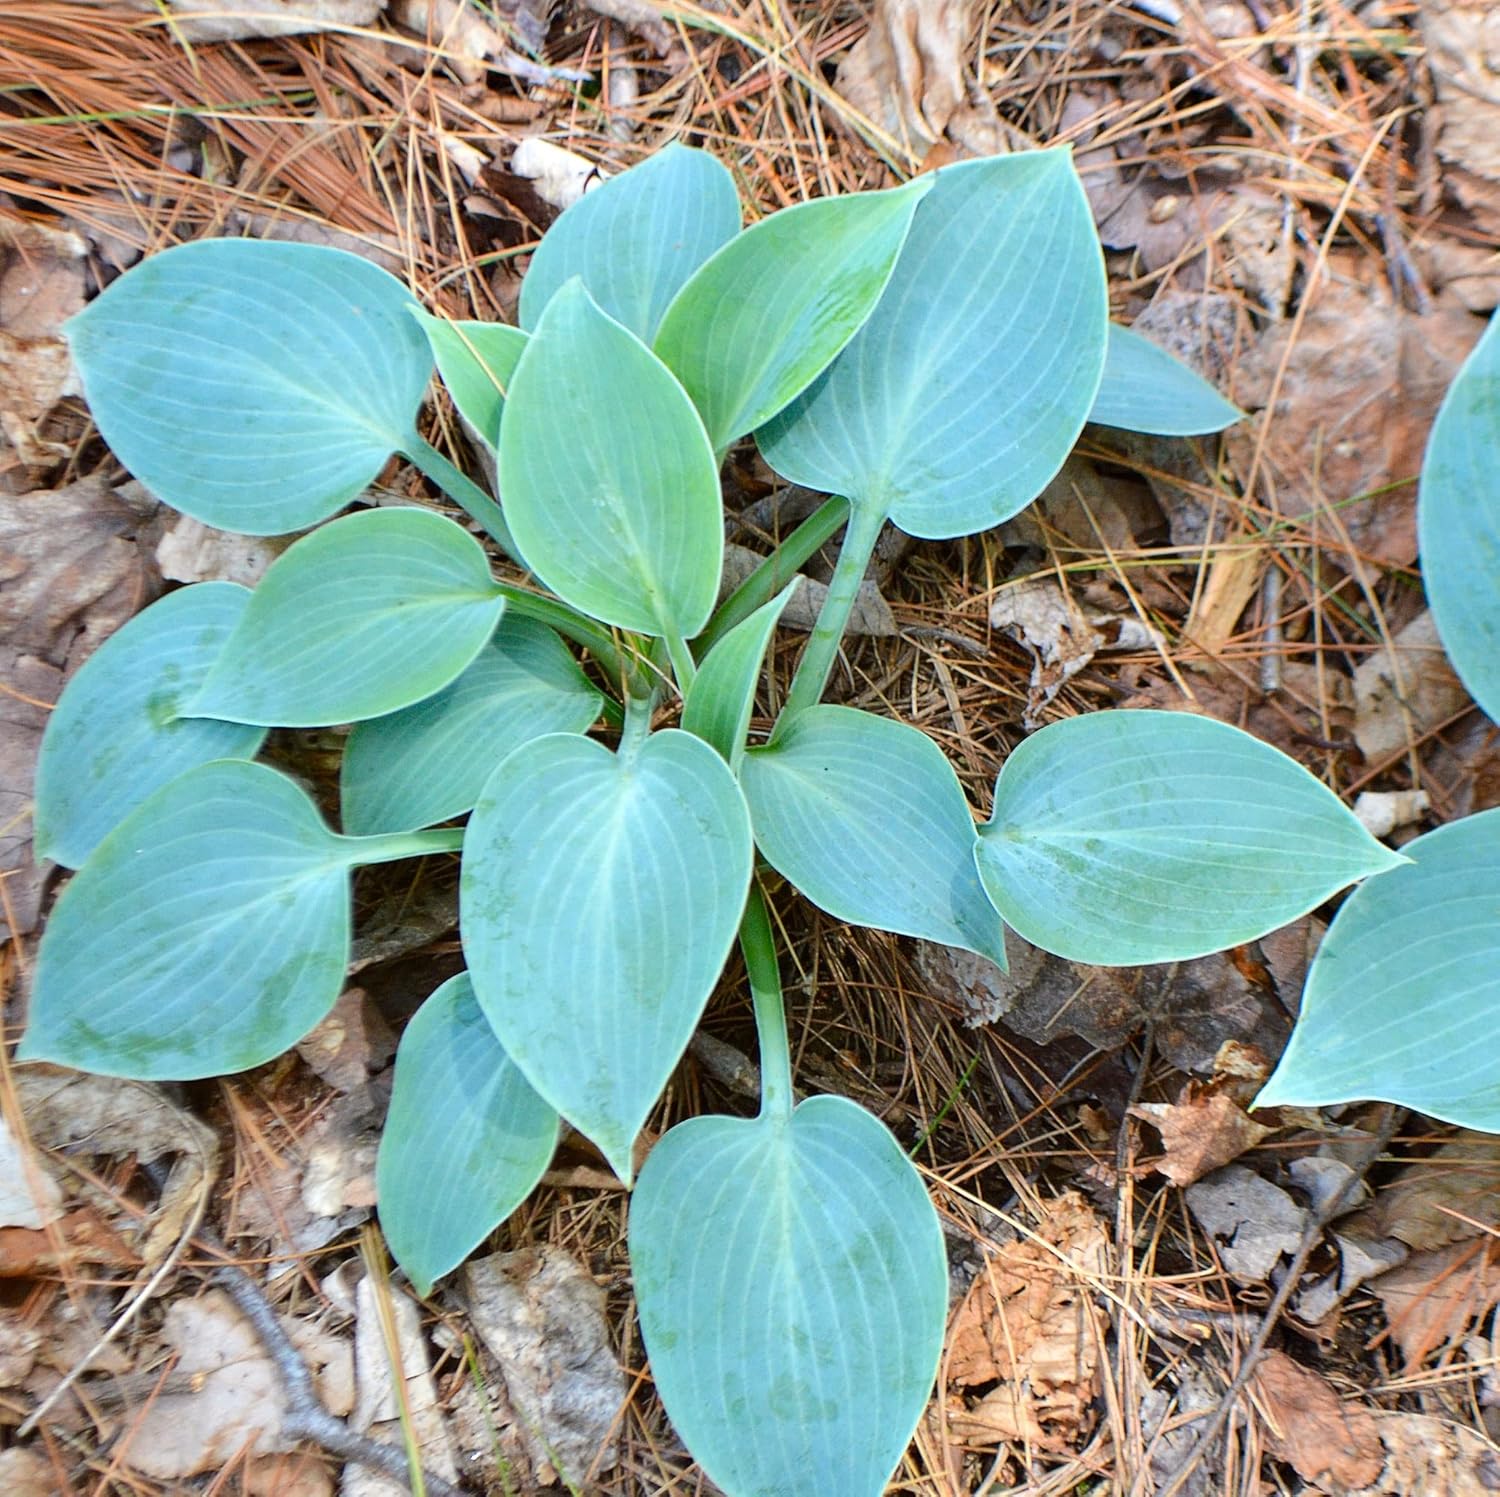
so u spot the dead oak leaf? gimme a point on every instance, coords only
(1328, 1442)
(106, 1115)
(1203, 1129)
(1432, 1298)
(1357, 385)
(1027, 1327)
(41, 286)
(1463, 50)
(906, 73)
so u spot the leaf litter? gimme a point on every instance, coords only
(1212, 254)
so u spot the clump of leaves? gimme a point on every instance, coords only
(927, 355)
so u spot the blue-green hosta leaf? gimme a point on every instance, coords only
(465, 1141)
(866, 817)
(601, 894)
(722, 696)
(476, 361)
(792, 1289)
(256, 386)
(968, 386)
(771, 310)
(1458, 522)
(430, 762)
(610, 483)
(115, 736)
(1127, 837)
(207, 933)
(367, 615)
(636, 238)
(1146, 389)
(1402, 1001)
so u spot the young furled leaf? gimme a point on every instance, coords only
(636, 238)
(610, 483)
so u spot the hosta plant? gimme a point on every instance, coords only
(925, 355)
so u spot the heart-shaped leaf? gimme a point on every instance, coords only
(1458, 522)
(365, 616)
(722, 696)
(771, 310)
(792, 1288)
(466, 1139)
(207, 933)
(1146, 389)
(1402, 1001)
(256, 386)
(1126, 837)
(430, 762)
(476, 361)
(115, 736)
(866, 817)
(610, 483)
(600, 897)
(636, 238)
(966, 389)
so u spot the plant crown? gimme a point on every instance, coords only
(927, 355)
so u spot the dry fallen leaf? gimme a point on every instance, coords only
(1463, 50)
(234, 1401)
(29, 1193)
(27, 1473)
(1253, 1223)
(1028, 1326)
(212, 21)
(105, 1115)
(871, 614)
(1432, 1299)
(542, 1318)
(1427, 1456)
(1329, 1442)
(41, 286)
(1203, 1129)
(560, 177)
(70, 575)
(190, 551)
(1060, 637)
(1355, 400)
(906, 73)
(1402, 692)
(1207, 1003)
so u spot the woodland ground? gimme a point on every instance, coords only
(1301, 198)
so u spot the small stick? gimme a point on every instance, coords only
(306, 1418)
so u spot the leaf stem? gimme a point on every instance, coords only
(865, 522)
(595, 638)
(764, 971)
(638, 711)
(774, 572)
(464, 492)
(683, 666)
(390, 847)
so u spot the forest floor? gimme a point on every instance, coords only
(1299, 197)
